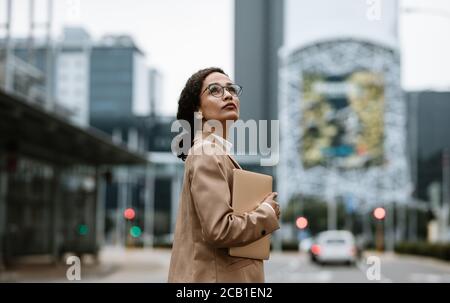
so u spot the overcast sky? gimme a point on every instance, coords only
(180, 37)
(425, 42)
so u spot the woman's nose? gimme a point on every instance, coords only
(227, 95)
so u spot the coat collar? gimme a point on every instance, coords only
(225, 145)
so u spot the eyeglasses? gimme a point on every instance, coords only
(218, 90)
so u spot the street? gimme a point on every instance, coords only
(296, 268)
(151, 265)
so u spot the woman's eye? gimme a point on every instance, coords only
(214, 89)
(232, 89)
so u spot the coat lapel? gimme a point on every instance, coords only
(234, 162)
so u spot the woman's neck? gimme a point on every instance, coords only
(223, 133)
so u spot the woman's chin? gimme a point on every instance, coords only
(232, 116)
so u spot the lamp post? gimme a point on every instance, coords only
(379, 213)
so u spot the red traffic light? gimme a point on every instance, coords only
(129, 214)
(301, 222)
(379, 213)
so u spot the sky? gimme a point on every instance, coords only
(425, 45)
(179, 37)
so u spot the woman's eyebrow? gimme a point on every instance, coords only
(228, 83)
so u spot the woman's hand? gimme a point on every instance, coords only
(270, 200)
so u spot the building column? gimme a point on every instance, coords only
(401, 222)
(389, 232)
(366, 225)
(122, 180)
(412, 224)
(100, 191)
(3, 214)
(56, 214)
(149, 207)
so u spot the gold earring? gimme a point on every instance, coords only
(198, 115)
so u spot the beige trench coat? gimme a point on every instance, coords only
(206, 225)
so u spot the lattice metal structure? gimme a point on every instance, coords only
(378, 184)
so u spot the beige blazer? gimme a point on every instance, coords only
(206, 225)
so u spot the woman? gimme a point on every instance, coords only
(206, 225)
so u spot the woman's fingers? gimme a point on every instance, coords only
(270, 197)
(276, 207)
(278, 210)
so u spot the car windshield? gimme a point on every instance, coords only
(335, 241)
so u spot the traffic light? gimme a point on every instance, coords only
(129, 214)
(301, 222)
(83, 229)
(379, 213)
(135, 231)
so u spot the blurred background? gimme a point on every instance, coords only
(89, 91)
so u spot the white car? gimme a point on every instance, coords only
(334, 246)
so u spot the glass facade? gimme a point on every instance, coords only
(111, 81)
(28, 201)
(51, 209)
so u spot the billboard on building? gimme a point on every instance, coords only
(343, 123)
(342, 119)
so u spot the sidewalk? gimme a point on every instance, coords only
(115, 265)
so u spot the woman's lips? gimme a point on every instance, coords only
(230, 106)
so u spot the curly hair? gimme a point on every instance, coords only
(189, 101)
